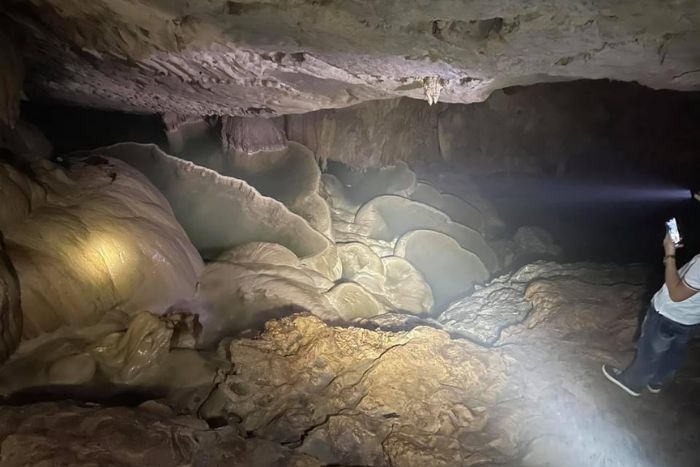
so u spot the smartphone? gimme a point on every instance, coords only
(672, 229)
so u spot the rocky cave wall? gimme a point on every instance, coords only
(541, 129)
(272, 58)
(551, 128)
(285, 315)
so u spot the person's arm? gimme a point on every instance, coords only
(678, 290)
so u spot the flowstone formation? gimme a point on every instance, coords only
(89, 238)
(114, 292)
(378, 337)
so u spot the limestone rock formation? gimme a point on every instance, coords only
(10, 310)
(11, 78)
(389, 217)
(240, 292)
(139, 352)
(393, 280)
(24, 141)
(262, 58)
(354, 396)
(90, 238)
(216, 211)
(360, 186)
(535, 243)
(64, 433)
(456, 208)
(372, 134)
(450, 270)
(251, 135)
(503, 302)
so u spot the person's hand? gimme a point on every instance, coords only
(669, 246)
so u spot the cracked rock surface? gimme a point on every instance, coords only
(504, 302)
(335, 392)
(306, 392)
(270, 58)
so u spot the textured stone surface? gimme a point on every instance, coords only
(503, 302)
(64, 433)
(251, 135)
(356, 396)
(91, 237)
(262, 58)
(306, 392)
(369, 135)
(10, 311)
(11, 78)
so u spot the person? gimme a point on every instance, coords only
(670, 322)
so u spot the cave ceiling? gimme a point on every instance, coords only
(293, 56)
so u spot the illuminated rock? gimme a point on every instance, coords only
(233, 297)
(216, 211)
(144, 351)
(360, 186)
(351, 301)
(290, 175)
(393, 281)
(450, 270)
(502, 303)
(89, 239)
(355, 396)
(456, 208)
(389, 217)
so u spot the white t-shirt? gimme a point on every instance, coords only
(687, 311)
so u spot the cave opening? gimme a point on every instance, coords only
(328, 233)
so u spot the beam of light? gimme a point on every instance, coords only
(571, 192)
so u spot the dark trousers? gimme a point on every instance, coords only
(661, 350)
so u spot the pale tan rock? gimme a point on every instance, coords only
(345, 394)
(456, 208)
(143, 352)
(351, 301)
(89, 239)
(236, 297)
(216, 211)
(450, 270)
(395, 282)
(389, 217)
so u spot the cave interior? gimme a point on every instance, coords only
(314, 232)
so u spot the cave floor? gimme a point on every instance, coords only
(576, 417)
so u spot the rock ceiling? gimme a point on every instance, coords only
(291, 56)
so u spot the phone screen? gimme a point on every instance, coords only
(672, 228)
